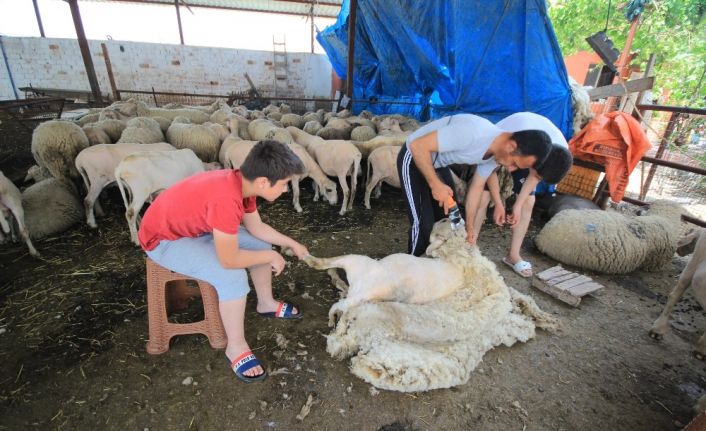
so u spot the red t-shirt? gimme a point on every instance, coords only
(195, 206)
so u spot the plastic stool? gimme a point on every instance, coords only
(160, 329)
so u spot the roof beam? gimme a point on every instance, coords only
(85, 52)
(246, 9)
(39, 18)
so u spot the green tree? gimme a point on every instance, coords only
(674, 30)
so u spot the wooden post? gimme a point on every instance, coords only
(85, 52)
(39, 18)
(351, 48)
(154, 96)
(181, 33)
(311, 16)
(660, 152)
(622, 63)
(109, 67)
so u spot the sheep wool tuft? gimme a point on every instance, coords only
(419, 347)
(201, 139)
(51, 206)
(142, 130)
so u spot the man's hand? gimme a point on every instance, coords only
(441, 192)
(299, 250)
(277, 263)
(499, 215)
(513, 218)
(471, 235)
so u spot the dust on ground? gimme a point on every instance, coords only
(73, 328)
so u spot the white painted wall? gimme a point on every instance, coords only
(57, 63)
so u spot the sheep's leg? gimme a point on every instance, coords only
(369, 188)
(661, 325)
(344, 185)
(19, 214)
(132, 214)
(325, 263)
(378, 190)
(91, 201)
(337, 280)
(295, 194)
(316, 191)
(354, 183)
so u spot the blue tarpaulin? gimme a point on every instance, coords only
(489, 58)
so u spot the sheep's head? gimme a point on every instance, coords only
(328, 189)
(443, 233)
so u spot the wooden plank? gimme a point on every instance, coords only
(556, 293)
(573, 282)
(585, 289)
(556, 280)
(640, 84)
(552, 272)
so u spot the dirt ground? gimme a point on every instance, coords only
(73, 328)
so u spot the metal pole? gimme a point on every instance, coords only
(39, 18)
(311, 16)
(85, 52)
(181, 33)
(660, 151)
(109, 67)
(351, 48)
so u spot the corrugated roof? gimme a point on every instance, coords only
(323, 8)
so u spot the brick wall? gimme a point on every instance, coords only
(57, 63)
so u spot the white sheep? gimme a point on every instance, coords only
(51, 206)
(581, 105)
(463, 308)
(613, 243)
(263, 129)
(293, 120)
(11, 206)
(236, 153)
(96, 135)
(363, 133)
(312, 116)
(336, 158)
(221, 116)
(382, 164)
(90, 117)
(142, 130)
(312, 127)
(55, 145)
(239, 126)
(336, 128)
(143, 175)
(194, 115)
(199, 138)
(97, 165)
(113, 128)
(36, 173)
(382, 140)
(228, 142)
(219, 129)
(694, 275)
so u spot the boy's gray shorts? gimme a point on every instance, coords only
(196, 257)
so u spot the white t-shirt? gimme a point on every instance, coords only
(529, 121)
(464, 139)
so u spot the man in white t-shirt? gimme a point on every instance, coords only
(459, 139)
(552, 170)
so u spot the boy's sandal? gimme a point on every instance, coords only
(521, 267)
(243, 363)
(284, 311)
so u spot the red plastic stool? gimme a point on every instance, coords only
(160, 329)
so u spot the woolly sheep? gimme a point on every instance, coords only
(382, 167)
(36, 173)
(96, 135)
(267, 110)
(113, 128)
(285, 109)
(387, 139)
(200, 139)
(51, 206)
(336, 128)
(219, 129)
(403, 346)
(97, 168)
(142, 130)
(11, 207)
(163, 123)
(239, 125)
(336, 158)
(694, 275)
(55, 145)
(292, 120)
(312, 127)
(263, 129)
(363, 133)
(581, 104)
(88, 118)
(254, 115)
(194, 115)
(276, 116)
(613, 243)
(312, 116)
(221, 116)
(228, 142)
(242, 111)
(343, 114)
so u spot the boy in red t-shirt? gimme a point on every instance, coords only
(207, 226)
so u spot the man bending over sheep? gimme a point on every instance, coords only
(525, 181)
(458, 139)
(207, 226)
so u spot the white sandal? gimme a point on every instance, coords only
(520, 267)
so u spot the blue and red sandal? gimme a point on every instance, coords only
(284, 311)
(243, 363)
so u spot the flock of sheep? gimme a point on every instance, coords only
(145, 150)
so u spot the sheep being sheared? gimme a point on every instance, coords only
(413, 323)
